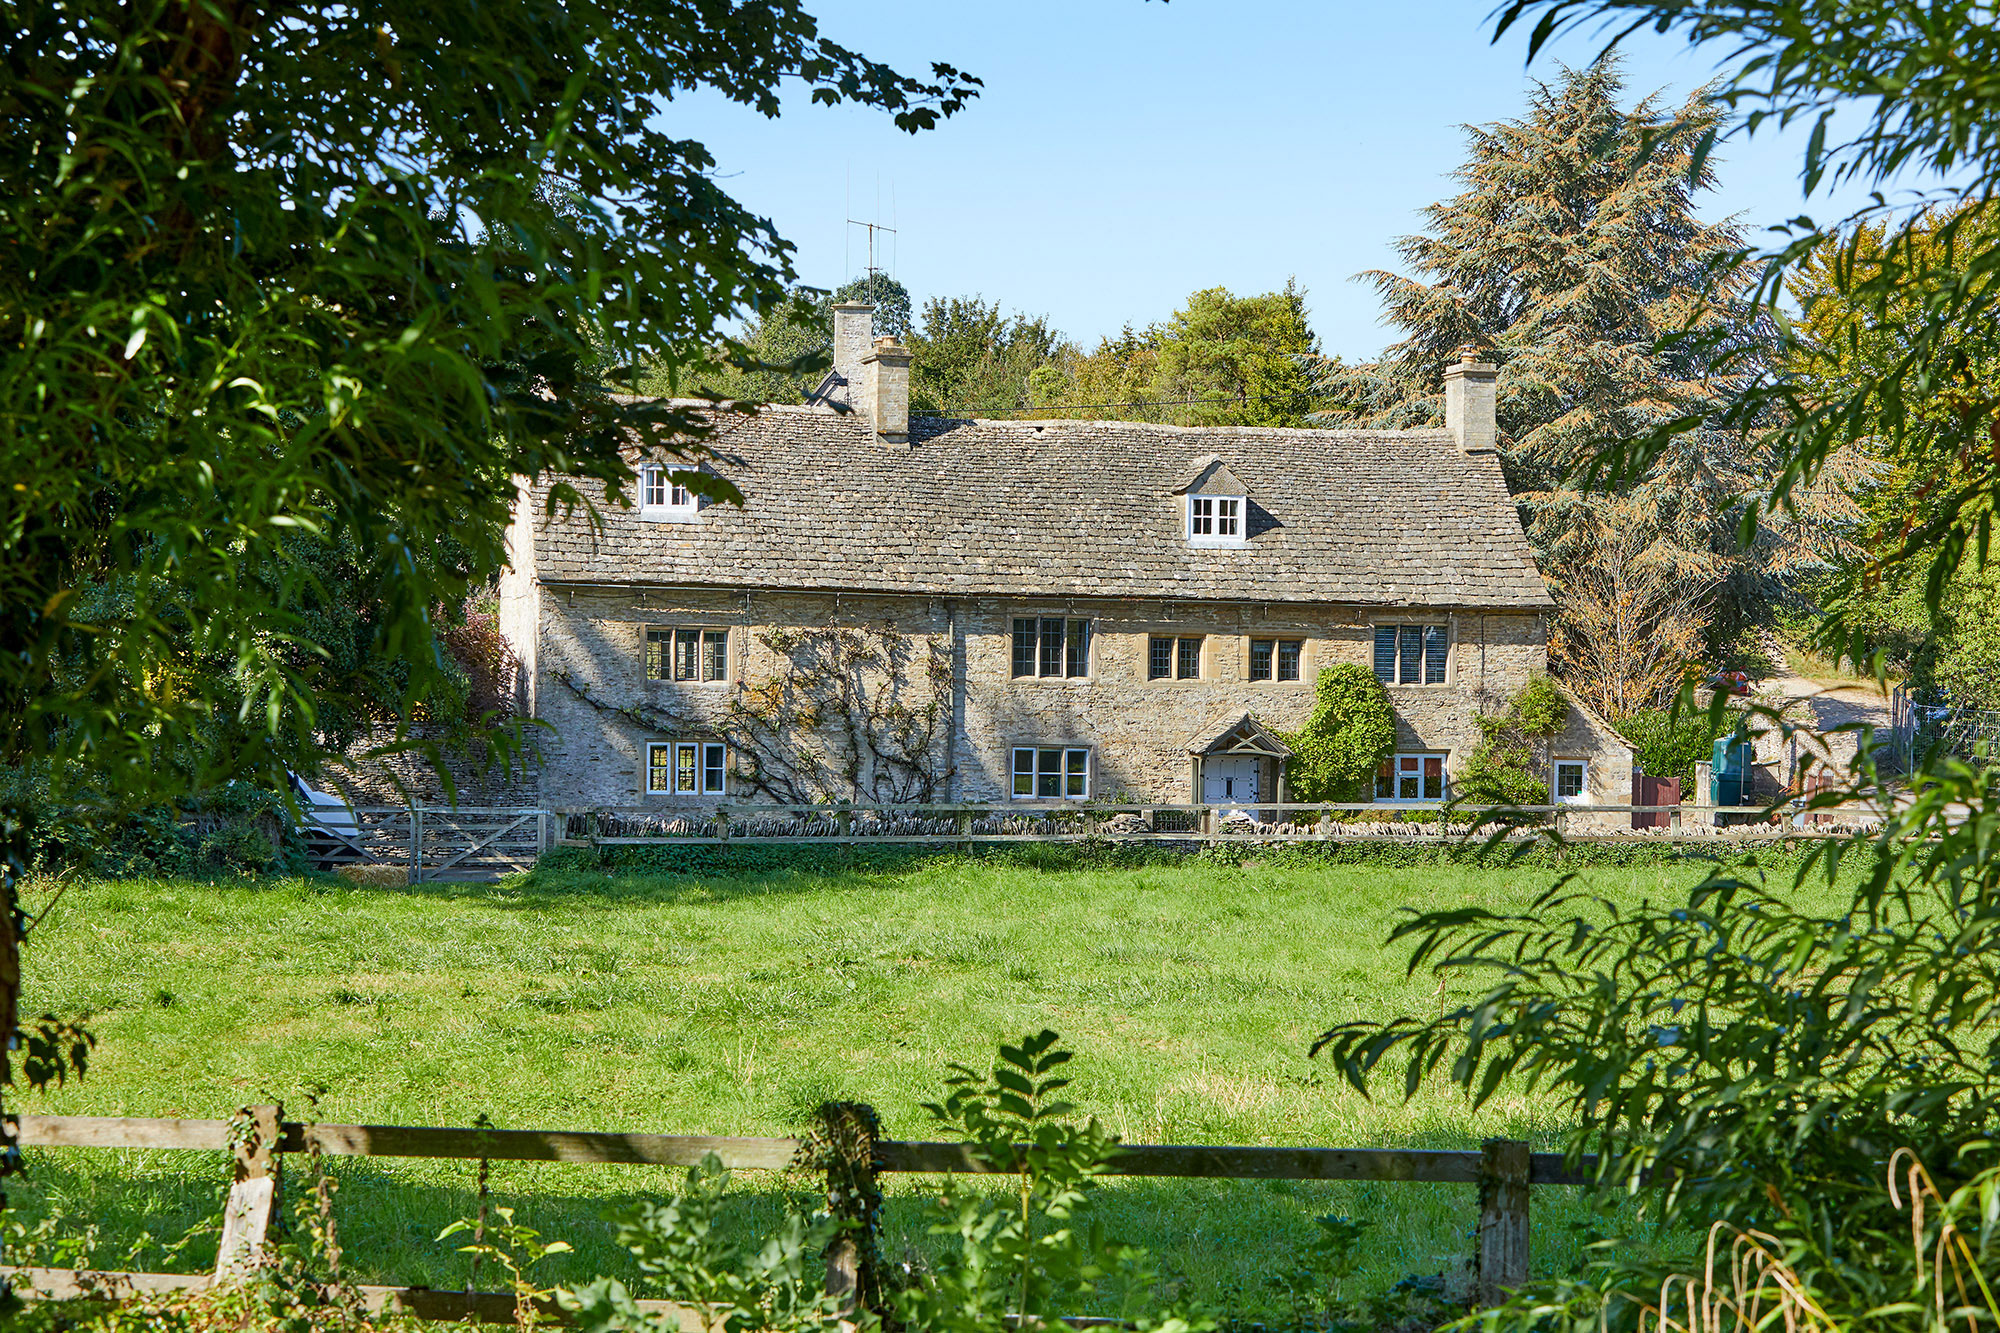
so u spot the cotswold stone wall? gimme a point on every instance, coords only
(591, 685)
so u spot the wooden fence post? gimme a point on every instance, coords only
(849, 1134)
(253, 1196)
(416, 844)
(1503, 1219)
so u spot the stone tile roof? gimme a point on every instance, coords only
(1074, 508)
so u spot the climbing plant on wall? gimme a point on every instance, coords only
(1352, 729)
(852, 713)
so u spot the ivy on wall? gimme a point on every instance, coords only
(852, 713)
(1351, 730)
(1503, 770)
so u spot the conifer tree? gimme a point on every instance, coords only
(1574, 258)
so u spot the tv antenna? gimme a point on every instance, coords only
(873, 269)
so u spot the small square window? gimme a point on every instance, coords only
(1159, 658)
(659, 768)
(715, 654)
(659, 647)
(1189, 665)
(661, 497)
(1216, 520)
(1051, 773)
(714, 769)
(1572, 781)
(687, 654)
(1412, 777)
(1261, 652)
(1288, 659)
(685, 774)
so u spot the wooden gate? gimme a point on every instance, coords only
(1649, 790)
(432, 845)
(475, 844)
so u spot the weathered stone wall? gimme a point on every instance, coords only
(362, 781)
(592, 690)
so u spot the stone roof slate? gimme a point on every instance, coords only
(1073, 509)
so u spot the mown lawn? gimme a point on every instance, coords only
(736, 1005)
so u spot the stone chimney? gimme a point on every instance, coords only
(1471, 402)
(884, 398)
(853, 335)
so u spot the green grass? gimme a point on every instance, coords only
(736, 1005)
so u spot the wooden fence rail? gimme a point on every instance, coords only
(1505, 1170)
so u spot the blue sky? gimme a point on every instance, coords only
(1126, 153)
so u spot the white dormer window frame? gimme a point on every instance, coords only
(664, 500)
(1217, 520)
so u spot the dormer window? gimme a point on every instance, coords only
(1216, 504)
(662, 499)
(1215, 520)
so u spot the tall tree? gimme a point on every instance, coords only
(288, 273)
(1573, 250)
(968, 356)
(1221, 359)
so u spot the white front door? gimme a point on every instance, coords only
(1229, 778)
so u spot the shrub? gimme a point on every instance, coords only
(1352, 729)
(1670, 747)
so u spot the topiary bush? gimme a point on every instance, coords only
(1351, 731)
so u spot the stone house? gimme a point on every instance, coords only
(1043, 611)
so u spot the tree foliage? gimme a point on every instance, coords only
(1801, 1104)
(1572, 252)
(273, 276)
(1220, 360)
(969, 358)
(1350, 731)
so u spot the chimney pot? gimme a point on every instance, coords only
(885, 392)
(1471, 406)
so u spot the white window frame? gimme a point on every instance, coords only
(1071, 771)
(1582, 796)
(707, 776)
(1218, 520)
(1410, 763)
(664, 500)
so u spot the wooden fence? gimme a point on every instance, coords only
(1505, 1170)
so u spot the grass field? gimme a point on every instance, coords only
(736, 1005)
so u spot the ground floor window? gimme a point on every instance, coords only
(1573, 781)
(1411, 777)
(686, 768)
(1051, 773)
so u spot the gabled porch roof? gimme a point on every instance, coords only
(1246, 735)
